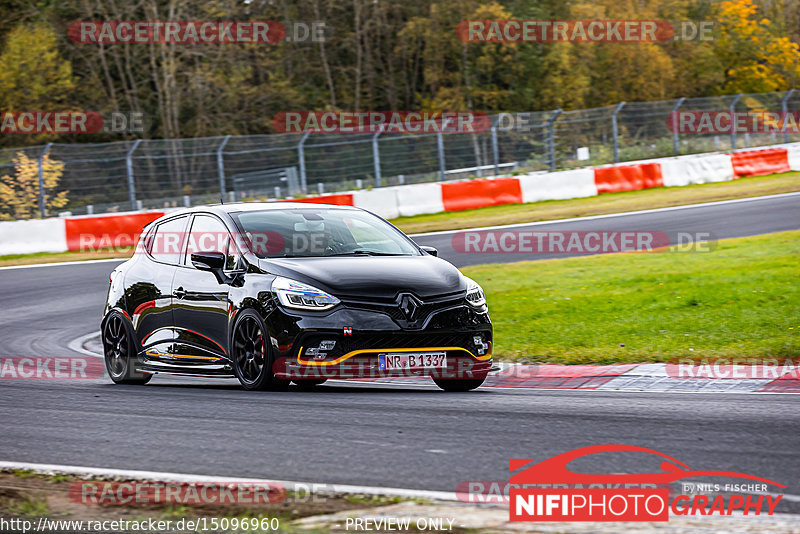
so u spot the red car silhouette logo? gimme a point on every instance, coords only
(554, 470)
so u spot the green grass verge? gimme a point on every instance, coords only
(60, 257)
(741, 300)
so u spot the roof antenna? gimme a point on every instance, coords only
(222, 199)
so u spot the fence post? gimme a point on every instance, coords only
(129, 167)
(301, 156)
(733, 122)
(551, 144)
(674, 114)
(221, 167)
(614, 130)
(440, 148)
(476, 147)
(376, 157)
(42, 206)
(785, 110)
(495, 152)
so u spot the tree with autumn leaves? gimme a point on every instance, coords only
(753, 58)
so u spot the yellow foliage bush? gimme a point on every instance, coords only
(19, 192)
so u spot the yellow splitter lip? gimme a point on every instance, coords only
(390, 361)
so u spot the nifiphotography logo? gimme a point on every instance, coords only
(549, 491)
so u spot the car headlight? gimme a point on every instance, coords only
(475, 296)
(294, 294)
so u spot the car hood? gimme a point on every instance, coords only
(371, 276)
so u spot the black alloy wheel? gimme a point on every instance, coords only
(251, 354)
(119, 352)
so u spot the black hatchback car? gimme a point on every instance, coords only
(276, 292)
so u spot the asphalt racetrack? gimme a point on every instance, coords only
(391, 436)
(720, 220)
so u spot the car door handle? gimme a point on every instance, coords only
(180, 293)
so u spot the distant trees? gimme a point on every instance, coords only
(34, 76)
(379, 54)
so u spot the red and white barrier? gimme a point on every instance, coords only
(338, 199)
(381, 201)
(615, 178)
(472, 194)
(105, 231)
(28, 237)
(696, 169)
(418, 199)
(760, 162)
(110, 230)
(558, 185)
(793, 155)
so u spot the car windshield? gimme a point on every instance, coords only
(321, 232)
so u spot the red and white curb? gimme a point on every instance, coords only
(714, 377)
(649, 377)
(711, 378)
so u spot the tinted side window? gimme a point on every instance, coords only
(208, 234)
(168, 240)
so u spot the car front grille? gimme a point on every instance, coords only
(421, 312)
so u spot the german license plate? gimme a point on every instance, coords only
(412, 360)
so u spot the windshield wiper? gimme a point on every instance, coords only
(363, 252)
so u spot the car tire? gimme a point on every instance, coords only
(120, 351)
(461, 384)
(308, 384)
(251, 353)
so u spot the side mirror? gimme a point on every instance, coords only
(431, 250)
(208, 261)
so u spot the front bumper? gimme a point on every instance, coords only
(358, 336)
(364, 363)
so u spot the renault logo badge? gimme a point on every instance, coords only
(409, 305)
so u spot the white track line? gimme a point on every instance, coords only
(58, 263)
(330, 489)
(77, 345)
(610, 215)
